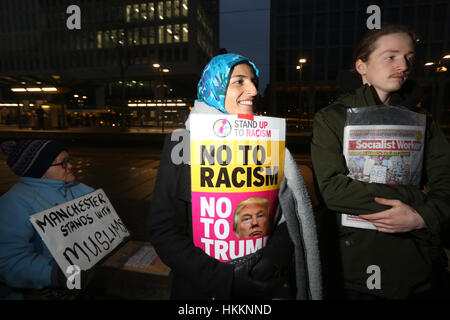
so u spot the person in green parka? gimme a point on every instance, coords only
(403, 257)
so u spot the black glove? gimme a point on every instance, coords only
(244, 286)
(276, 263)
(276, 257)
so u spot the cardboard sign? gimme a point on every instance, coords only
(236, 171)
(81, 231)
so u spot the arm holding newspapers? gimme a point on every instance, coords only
(413, 208)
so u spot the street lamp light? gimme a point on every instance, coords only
(438, 90)
(299, 67)
(160, 93)
(440, 67)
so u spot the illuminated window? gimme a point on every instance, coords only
(161, 10)
(136, 37)
(168, 9)
(176, 33)
(135, 13)
(176, 8)
(144, 36)
(184, 8)
(128, 13)
(169, 33)
(99, 40)
(106, 39)
(151, 38)
(185, 33)
(143, 12)
(151, 10)
(160, 34)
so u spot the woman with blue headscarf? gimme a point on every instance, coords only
(229, 85)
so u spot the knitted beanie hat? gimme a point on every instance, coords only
(213, 84)
(31, 158)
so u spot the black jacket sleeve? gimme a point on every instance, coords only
(170, 226)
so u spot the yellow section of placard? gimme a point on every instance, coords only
(236, 165)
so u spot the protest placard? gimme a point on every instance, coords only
(81, 231)
(236, 170)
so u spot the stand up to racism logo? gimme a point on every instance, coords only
(222, 128)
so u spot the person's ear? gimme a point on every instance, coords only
(361, 67)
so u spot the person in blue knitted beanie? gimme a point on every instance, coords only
(45, 180)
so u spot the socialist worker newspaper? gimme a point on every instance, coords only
(383, 153)
(236, 171)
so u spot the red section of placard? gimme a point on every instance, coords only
(246, 116)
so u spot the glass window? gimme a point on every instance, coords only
(281, 32)
(436, 51)
(348, 4)
(347, 57)
(293, 31)
(423, 18)
(136, 39)
(168, 9)
(160, 34)
(144, 36)
(128, 13)
(151, 11)
(391, 15)
(438, 21)
(161, 10)
(135, 14)
(185, 54)
(322, 4)
(151, 38)
(176, 8)
(184, 8)
(176, 34)
(99, 39)
(319, 64)
(294, 6)
(407, 16)
(333, 29)
(280, 65)
(333, 67)
(307, 5)
(143, 12)
(129, 37)
(169, 33)
(185, 33)
(335, 4)
(347, 31)
(321, 22)
(306, 30)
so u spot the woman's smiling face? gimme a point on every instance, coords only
(241, 92)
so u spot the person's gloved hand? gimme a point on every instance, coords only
(275, 257)
(244, 286)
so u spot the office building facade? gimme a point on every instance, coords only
(325, 33)
(103, 54)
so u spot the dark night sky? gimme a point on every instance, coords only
(245, 29)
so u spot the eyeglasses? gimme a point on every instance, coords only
(63, 163)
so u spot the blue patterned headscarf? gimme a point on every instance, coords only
(213, 84)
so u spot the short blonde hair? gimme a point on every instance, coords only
(253, 200)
